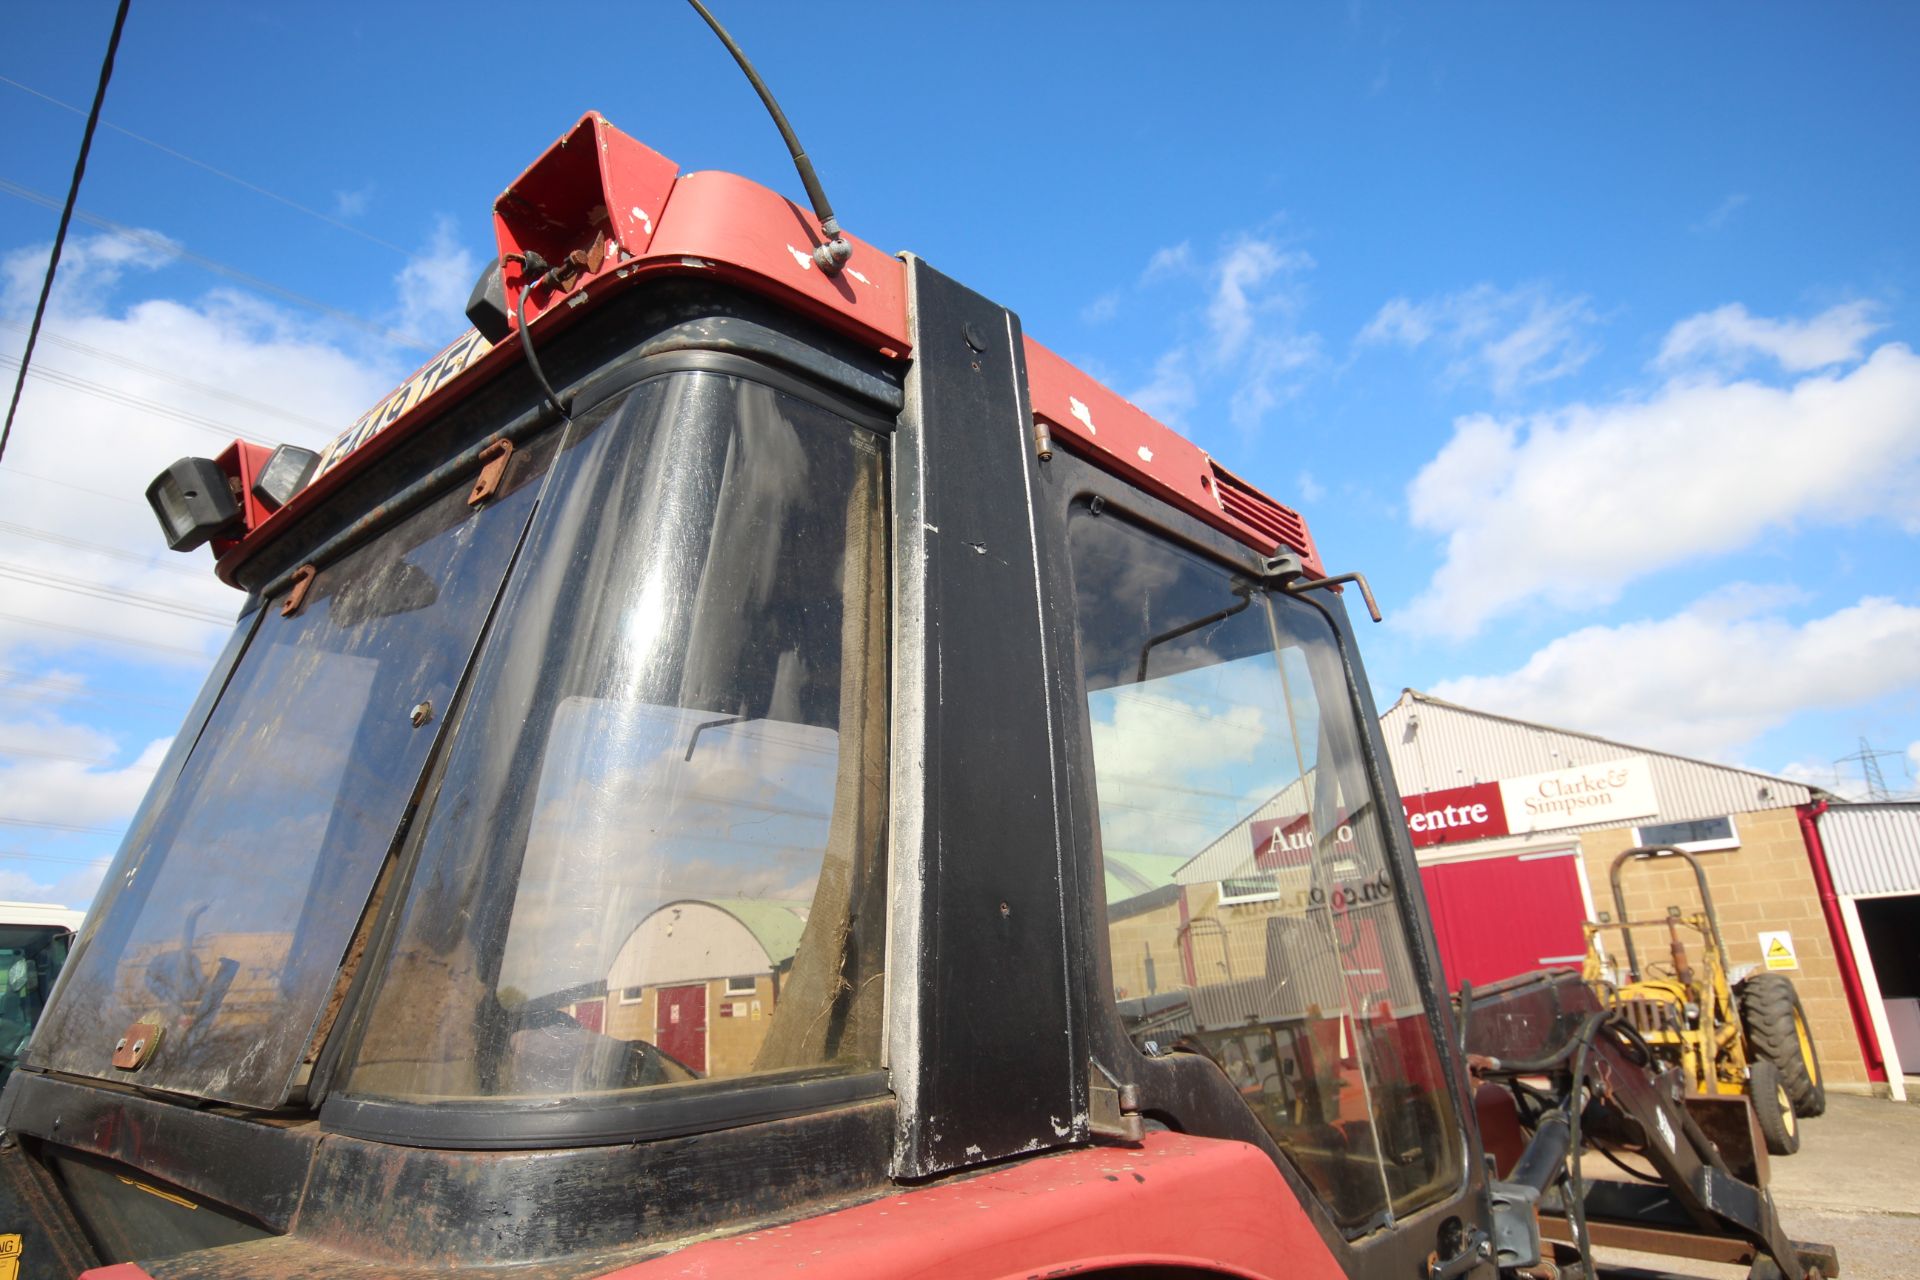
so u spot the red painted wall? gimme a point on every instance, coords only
(1497, 917)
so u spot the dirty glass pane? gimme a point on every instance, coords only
(1252, 912)
(654, 857)
(227, 926)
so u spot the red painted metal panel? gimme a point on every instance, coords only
(593, 181)
(680, 1024)
(724, 223)
(1119, 436)
(1456, 815)
(1497, 917)
(1176, 1201)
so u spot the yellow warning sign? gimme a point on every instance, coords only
(10, 1257)
(1777, 949)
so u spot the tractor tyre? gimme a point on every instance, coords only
(1778, 1125)
(1777, 1031)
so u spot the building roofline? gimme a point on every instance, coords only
(1415, 695)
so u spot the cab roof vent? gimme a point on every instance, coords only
(1257, 511)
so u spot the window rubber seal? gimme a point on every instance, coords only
(628, 1115)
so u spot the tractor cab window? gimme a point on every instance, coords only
(1253, 915)
(219, 942)
(652, 857)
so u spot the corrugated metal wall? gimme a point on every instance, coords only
(1873, 848)
(1435, 745)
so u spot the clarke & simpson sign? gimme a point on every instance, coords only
(1617, 789)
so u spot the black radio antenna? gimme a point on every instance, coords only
(832, 255)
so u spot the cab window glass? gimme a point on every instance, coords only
(1253, 914)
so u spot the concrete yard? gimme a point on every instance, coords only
(1854, 1184)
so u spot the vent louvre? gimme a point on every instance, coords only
(1257, 511)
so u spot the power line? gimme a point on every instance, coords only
(108, 636)
(218, 173)
(34, 753)
(167, 375)
(66, 218)
(112, 594)
(29, 686)
(68, 484)
(95, 548)
(113, 395)
(60, 826)
(53, 857)
(161, 245)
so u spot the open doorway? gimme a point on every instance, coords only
(1889, 926)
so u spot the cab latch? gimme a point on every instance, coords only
(136, 1044)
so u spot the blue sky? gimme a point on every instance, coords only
(1584, 333)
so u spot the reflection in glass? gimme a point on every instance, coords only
(653, 855)
(1253, 914)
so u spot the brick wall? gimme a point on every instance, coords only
(1766, 883)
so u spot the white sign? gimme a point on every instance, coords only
(1616, 791)
(1777, 950)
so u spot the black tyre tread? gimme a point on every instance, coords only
(1764, 1089)
(1768, 1003)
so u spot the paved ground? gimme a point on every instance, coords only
(1855, 1184)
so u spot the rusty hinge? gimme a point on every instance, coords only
(493, 466)
(297, 594)
(1113, 1109)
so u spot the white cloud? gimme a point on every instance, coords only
(434, 285)
(1173, 260)
(1570, 506)
(1240, 293)
(1101, 309)
(75, 794)
(351, 204)
(1707, 680)
(115, 407)
(1731, 337)
(1717, 219)
(1509, 338)
(1826, 776)
(1246, 345)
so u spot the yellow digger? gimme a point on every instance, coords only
(1731, 1037)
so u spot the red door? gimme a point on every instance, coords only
(1496, 917)
(681, 1025)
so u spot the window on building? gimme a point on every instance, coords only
(1702, 835)
(632, 995)
(741, 986)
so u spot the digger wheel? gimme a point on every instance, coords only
(1778, 1125)
(1777, 1031)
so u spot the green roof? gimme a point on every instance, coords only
(775, 925)
(1131, 874)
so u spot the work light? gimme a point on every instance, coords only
(288, 469)
(193, 503)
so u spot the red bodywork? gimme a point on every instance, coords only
(623, 212)
(1213, 1206)
(1177, 1201)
